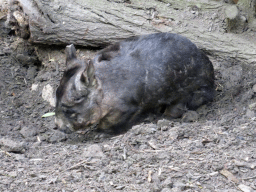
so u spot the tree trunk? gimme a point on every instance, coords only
(98, 23)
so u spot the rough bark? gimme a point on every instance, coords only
(235, 22)
(248, 7)
(99, 23)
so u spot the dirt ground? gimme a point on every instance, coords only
(215, 153)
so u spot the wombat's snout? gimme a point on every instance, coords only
(66, 128)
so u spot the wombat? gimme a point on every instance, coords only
(160, 73)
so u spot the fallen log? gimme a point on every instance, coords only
(99, 23)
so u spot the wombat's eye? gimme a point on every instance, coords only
(71, 115)
(69, 112)
(79, 100)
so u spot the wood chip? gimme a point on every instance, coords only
(229, 175)
(152, 144)
(150, 176)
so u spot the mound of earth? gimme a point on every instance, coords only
(217, 152)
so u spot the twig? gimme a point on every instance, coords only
(77, 165)
(254, 177)
(3, 17)
(5, 152)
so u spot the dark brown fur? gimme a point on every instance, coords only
(160, 73)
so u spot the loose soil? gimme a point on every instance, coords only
(215, 153)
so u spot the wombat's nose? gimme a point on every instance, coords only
(58, 122)
(65, 130)
(63, 127)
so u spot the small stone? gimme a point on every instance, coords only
(18, 157)
(26, 60)
(164, 123)
(28, 131)
(231, 11)
(252, 166)
(173, 133)
(107, 147)
(31, 73)
(254, 88)
(44, 76)
(164, 128)
(180, 186)
(245, 188)
(34, 87)
(144, 129)
(168, 182)
(93, 151)
(33, 175)
(250, 114)
(57, 136)
(12, 146)
(47, 94)
(190, 116)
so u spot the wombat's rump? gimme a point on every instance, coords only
(162, 73)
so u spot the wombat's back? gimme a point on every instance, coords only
(156, 69)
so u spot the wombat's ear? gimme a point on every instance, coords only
(90, 69)
(70, 52)
(88, 76)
